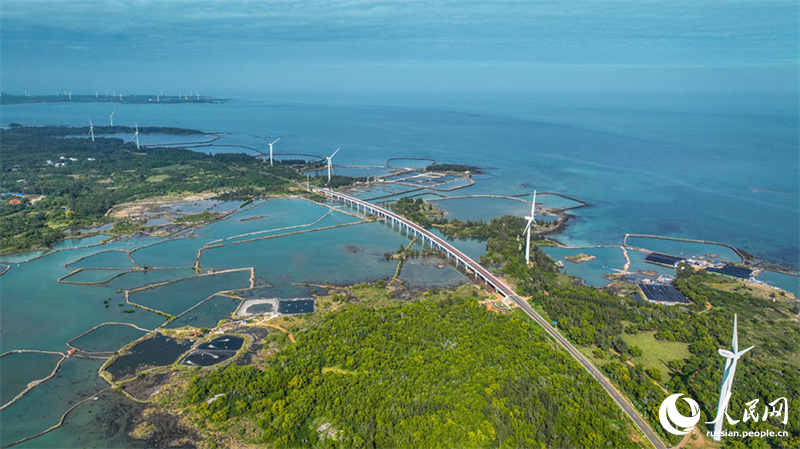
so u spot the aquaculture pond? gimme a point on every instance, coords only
(215, 351)
(266, 246)
(156, 351)
(296, 307)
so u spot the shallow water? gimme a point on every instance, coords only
(107, 259)
(207, 314)
(431, 272)
(76, 379)
(352, 171)
(107, 338)
(780, 280)
(93, 276)
(97, 424)
(483, 208)
(605, 262)
(177, 297)
(706, 251)
(135, 279)
(316, 257)
(19, 369)
(175, 253)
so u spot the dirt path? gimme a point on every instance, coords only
(291, 338)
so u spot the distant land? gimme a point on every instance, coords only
(68, 97)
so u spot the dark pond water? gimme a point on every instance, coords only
(214, 351)
(156, 351)
(206, 358)
(226, 342)
(259, 308)
(295, 307)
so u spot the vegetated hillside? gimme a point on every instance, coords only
(438, 372)
(106, 172)
(600, 319)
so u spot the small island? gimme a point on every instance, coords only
(578, 258)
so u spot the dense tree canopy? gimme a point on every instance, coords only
(430, 373)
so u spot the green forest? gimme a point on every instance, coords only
(110, 171)
(598, 319)
(441, 371)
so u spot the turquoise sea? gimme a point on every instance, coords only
(721, 175)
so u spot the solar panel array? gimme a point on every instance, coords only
(732, 270)
(663, 293)
(662, 259)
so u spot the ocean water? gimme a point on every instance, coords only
(606, 261)
(706, 173)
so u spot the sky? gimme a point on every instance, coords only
(636, 46)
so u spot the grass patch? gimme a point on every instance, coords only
(196, 218)
(157, 178)
(172, 167)
(376, 293)
(656, 353)
(336, 369)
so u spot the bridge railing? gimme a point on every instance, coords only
(461, 258)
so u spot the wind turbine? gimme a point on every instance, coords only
(111, 117)
(531, 221)
(731, 358)
(91, 129)
(270, 149)
(330, 167)
(136, 135)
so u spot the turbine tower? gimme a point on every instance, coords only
(136, 135)
(330, 167)
(111, 117)
(531, 221)
(270, 150)
(91, 129)
(731, 358)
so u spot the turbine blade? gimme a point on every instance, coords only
(741, 353)
(275, 141)
(530, 222)
(334, 153)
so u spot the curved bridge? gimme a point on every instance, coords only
(500, 287)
